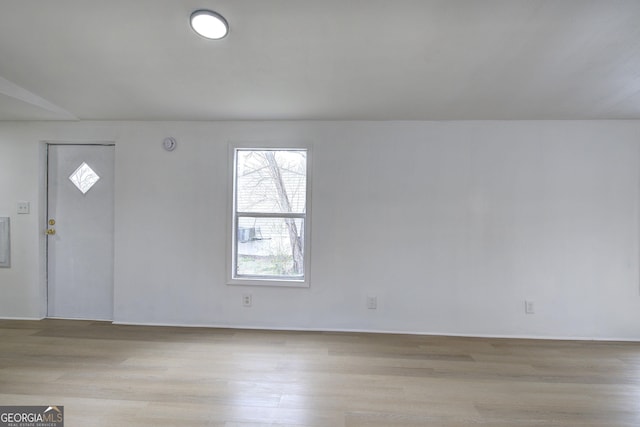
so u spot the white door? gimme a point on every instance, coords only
(80, 231)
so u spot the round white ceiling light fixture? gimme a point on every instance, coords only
(209, 24)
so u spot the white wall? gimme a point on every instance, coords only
(452, 225)
(20, 285)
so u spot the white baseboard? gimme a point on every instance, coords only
(79, 318)
(21, 318)
(378, 331)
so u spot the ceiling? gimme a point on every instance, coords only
(320, 60)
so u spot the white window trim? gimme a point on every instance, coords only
(231, 219)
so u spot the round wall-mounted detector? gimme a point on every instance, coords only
(169, 143)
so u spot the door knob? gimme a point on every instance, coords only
(51, 231)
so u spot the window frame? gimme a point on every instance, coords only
(232, 223)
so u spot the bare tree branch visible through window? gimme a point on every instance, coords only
(285, 206)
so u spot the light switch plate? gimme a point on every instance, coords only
(23, 207)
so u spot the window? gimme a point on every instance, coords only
(270, 223)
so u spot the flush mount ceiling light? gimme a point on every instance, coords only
(209, 24)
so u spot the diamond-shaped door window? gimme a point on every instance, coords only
(84, 177)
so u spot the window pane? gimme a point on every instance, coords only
(271, 181)
(84, 177)
(270, 247)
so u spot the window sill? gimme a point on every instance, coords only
(278, 283)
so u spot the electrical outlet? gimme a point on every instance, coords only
(529, 307)
(372, 303)
(246, 300)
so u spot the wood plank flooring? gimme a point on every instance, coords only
(114, 375)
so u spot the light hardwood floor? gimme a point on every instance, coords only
(113, 375)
